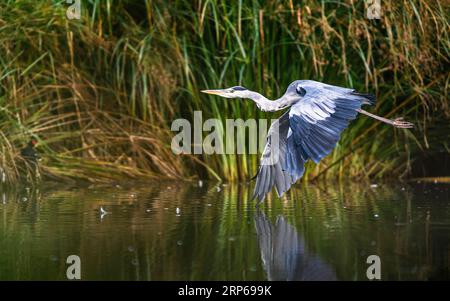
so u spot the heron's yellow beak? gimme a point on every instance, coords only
(215, 92)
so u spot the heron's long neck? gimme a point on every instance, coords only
(268, 105)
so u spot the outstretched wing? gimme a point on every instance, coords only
(270, 171)
(317, 121)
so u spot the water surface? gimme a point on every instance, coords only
(318, 232)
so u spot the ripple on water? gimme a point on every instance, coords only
(188, 229)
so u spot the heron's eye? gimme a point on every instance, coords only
(231, 91)
(301, 91)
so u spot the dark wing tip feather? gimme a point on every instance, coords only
(255, 176)
(369, 97)
(261, 178)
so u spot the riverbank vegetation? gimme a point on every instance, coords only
(100, 93)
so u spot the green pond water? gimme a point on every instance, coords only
(318, 232)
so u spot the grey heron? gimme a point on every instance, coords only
(308, 130)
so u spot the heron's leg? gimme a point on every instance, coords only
(398, 122)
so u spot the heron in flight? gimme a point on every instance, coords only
(308, 130)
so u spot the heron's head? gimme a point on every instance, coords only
(233, 92)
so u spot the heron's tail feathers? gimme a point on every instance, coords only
(370, 98)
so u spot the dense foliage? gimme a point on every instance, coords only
(100, 93)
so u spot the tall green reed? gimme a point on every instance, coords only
(101, 92)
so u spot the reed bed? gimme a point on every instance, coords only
(100, 93)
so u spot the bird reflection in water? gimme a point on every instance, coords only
(284, 254)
